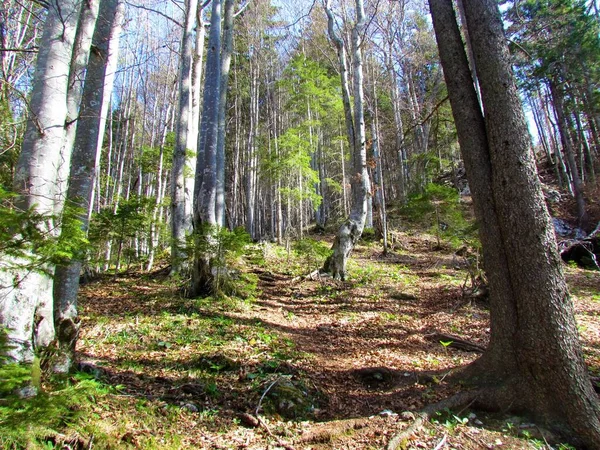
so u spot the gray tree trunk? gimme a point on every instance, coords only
(178, 185)
(567, 145)
(26, 307)
(226, 52)
(79, 61)
(204, 205)
(351, 230)
(532, 322)
(81, 178)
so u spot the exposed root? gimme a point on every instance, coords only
(315, 275)
(462, 399)
(449, 340)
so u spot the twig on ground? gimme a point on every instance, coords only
(441, 443)
(310, 276)
(263, 424)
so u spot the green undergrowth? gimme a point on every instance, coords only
(34, 415)
(194, 357)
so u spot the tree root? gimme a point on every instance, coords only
(450, 340)
(462, 399)
(313, 276)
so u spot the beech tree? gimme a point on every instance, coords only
(351, 230)
(27, 308)
(205, 188)
(180, 223)
(88, 138)
(534, 361)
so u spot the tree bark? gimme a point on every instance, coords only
(81, 178)
(534, 358)
(567, 145)
(350, 231)
(178, 185)
(27, 295)
(226, 52)
(205, 219)
(79, 62)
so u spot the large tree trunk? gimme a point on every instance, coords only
(26, 307)
(81, 178)
(534, 361)
(205, 219)
(351, 230)
(79, 62)
(178, 185)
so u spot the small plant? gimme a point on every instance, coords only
(312, 252)
(439, 209)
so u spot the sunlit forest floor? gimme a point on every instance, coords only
(304, 363)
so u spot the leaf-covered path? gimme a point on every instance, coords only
(322, 364)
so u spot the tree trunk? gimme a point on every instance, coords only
(205, 219)
(81, 179)
(178, 195)
(351, 230)
(79, 61)
(567, 144)
(27, 308)
(226, 52)
(532, 322)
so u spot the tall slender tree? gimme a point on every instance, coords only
(180, 223)
(81, 179)
(351, 230)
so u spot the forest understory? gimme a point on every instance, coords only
(305, 363)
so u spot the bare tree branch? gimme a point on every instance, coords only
(133, 5)
(33, 49)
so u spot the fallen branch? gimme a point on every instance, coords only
(263, 424)
(461, 399)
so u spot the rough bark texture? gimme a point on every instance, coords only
(534, 358)
(25, 296)
(81, 178)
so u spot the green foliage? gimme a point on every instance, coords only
(225, 249)
(27, 238)
(438, 209)
(10, 142)
(312, 252)
(132, 219)
(31, 422)
(554, 38)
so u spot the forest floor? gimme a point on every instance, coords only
(304, 364)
